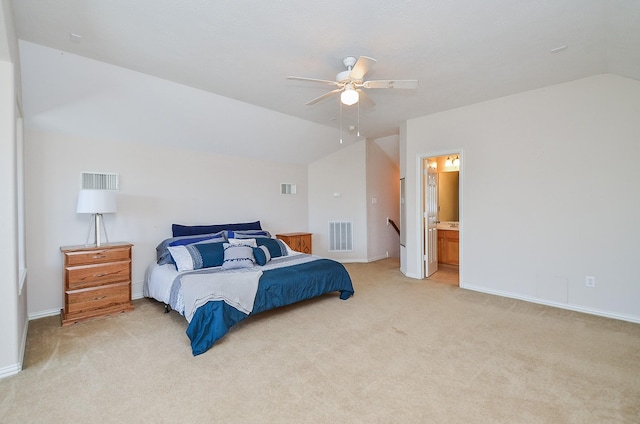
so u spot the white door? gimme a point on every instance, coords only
(430, 219)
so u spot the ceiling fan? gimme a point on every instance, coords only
(351, 82)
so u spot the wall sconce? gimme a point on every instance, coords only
(96, 202)
(452, 163)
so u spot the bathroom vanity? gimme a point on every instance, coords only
(448, 243)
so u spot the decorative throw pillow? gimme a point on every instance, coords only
(262, 255)
(196, 256)
(237, 256)
(163, 255)
(276, 247)
(238, 234)
(251, 242)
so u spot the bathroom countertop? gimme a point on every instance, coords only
(448, 225)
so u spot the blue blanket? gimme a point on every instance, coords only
(277, 287)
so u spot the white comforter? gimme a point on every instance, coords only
(236, 288)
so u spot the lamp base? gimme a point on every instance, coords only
(96, 219)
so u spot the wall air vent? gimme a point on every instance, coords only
(340, 236)
(286, 188)
(99, 181)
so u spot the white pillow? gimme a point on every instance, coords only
(182, 258)
(237, 256)
(244, 242)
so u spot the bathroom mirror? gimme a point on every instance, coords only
(448, 196)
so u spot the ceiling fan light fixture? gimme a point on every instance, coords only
(349, 96)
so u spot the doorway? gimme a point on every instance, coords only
(441, 211)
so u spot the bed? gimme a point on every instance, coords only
(217, 276)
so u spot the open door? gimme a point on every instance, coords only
(430, 185)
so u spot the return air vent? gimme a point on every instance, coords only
(340, 236)
(99, 181)
(286, 188)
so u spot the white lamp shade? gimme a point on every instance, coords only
(96, 201)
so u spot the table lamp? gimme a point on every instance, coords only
(96, 202)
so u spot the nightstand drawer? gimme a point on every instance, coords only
(97, 256)
(79, 277)
(81, 301)
(300, 242)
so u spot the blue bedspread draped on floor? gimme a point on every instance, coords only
(277, 287)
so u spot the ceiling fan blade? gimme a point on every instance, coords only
(324, 96)
(404, 84)
(361, 67)
(312, 80)
(365, 100)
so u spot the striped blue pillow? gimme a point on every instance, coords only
(196, 256)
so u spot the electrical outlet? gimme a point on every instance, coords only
(590, 281)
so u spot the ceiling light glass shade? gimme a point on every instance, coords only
(96, 201)
(349, 96)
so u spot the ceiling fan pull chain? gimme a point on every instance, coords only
(358, 129)
(340, 122)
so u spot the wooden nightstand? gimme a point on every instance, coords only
(97, 281)
(300, 242)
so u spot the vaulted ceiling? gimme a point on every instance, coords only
(461, 51)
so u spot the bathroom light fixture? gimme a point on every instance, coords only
(349, 96)
(456, 161)
(448, 162)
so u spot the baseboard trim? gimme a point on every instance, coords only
(23, 344)
(576, 308)
(409, 274)
(137, 290)
(10, 370)
(43, 314)
(16, 368)
(377, 258)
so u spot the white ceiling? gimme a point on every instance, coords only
(462, 51)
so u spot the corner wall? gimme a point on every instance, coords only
(337, 192)
(550, 193)
(13, 314)
(383, 194)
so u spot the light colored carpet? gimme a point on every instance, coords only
(400, 351)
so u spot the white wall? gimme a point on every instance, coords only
(551, 193)
(13, 314)
(337, 192)
(341, 188)
(383, 194)
(158, 186)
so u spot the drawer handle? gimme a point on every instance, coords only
(101, 275)
(99, 297)
(100, 256)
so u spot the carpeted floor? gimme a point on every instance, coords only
(400, 351)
